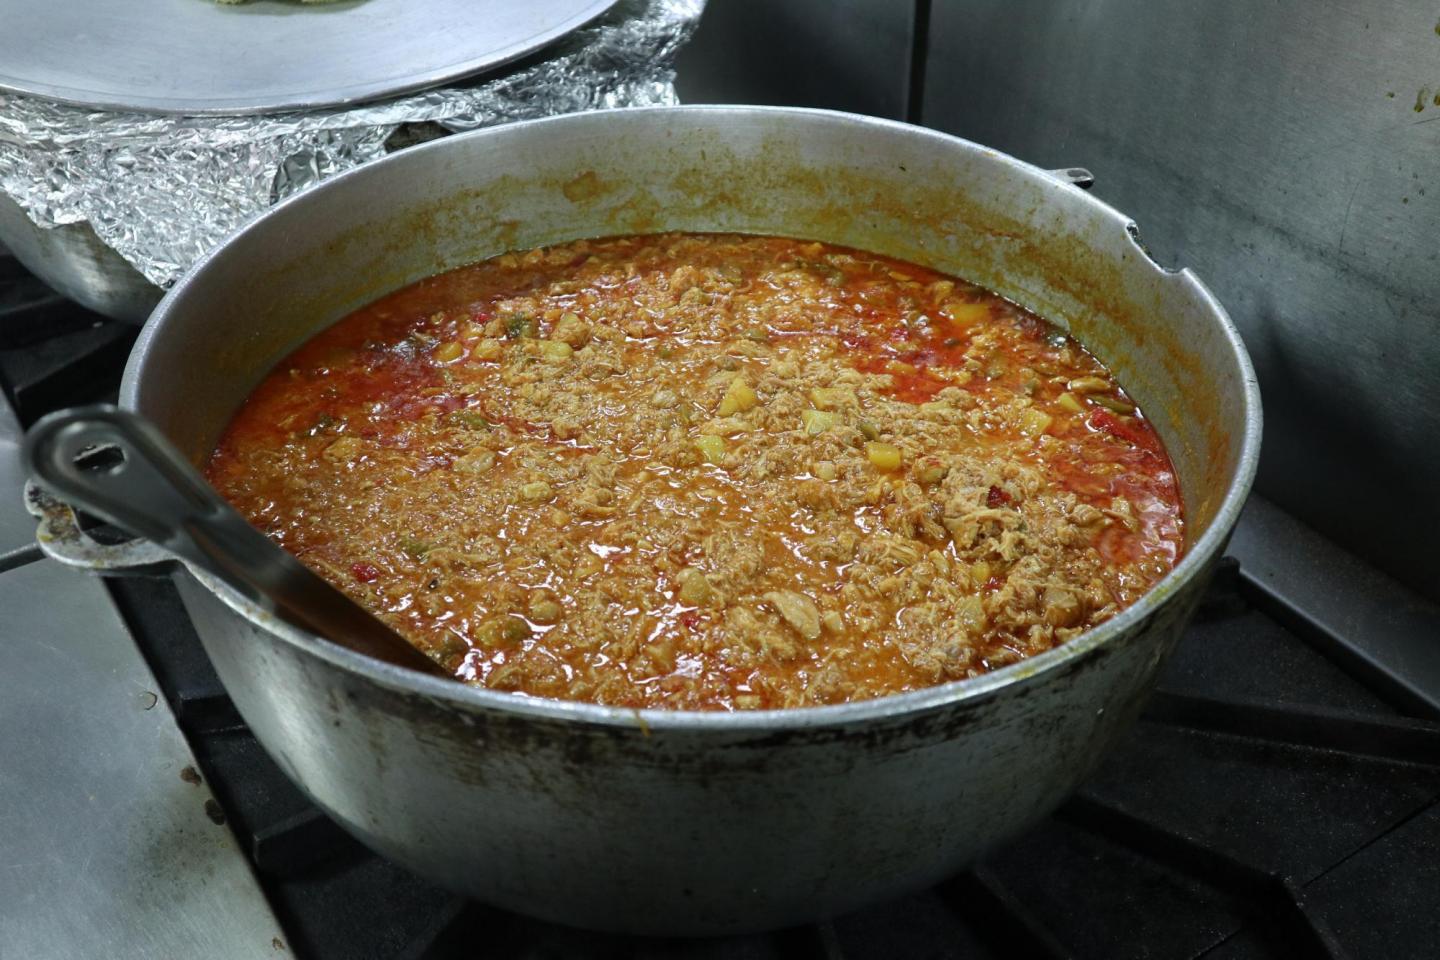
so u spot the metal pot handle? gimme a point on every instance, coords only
(1075, 176)
(61, 538)
(1084, 179)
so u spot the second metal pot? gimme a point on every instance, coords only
(72, 260)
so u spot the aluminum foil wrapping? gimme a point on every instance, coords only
(162, 190)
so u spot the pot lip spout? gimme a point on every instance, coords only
(1136, 617)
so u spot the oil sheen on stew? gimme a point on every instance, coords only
(707, 472)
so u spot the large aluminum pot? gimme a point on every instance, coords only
(673, 822)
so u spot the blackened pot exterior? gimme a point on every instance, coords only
(675, 822)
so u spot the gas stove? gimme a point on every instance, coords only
(1279, 798)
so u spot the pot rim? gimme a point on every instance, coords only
(658, 720)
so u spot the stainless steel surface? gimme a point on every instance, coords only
(148, 489)
(74, 261)
(839, 54)
(266, 56)
(1287, 151)
(702, 822)
(106, 850)
(1377, 627)
(17, 530)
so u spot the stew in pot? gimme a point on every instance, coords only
(708, 472)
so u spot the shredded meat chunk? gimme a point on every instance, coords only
(708, 472)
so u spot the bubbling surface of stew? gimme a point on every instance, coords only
(708, 472)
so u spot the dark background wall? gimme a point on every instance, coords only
(841, 54)
(1286, 151)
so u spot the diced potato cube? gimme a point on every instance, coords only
(695, 589)
(966, 314)
(818, 421)
(555, 349)
(536, 491)
(830, 398)
(448, 352)
(1034, 422)
(883, 456)
(738, 398)
(711, 448)
(488, 350)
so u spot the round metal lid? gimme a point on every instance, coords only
(265, 56)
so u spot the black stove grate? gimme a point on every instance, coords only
(1270, 803)
(52, 352)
